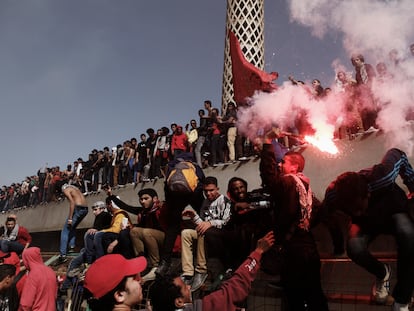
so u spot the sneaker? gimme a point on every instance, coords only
(60, 260)
(163, 268)
(187, 279)
(150, 276)
(381, 287)
(400, 307)
(198, 281)
(72, 250)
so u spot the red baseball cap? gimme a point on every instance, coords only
(109, 270)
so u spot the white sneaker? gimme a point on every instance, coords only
(150, 276)
(381, 287)
(400, 307)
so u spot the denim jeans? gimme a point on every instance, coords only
(11, 246)
(89, 247)
(68, 234)
(403, 230)
(197, 151)
(98, 245)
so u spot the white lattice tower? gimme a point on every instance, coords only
(246, 19)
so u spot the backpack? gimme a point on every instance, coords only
(182, 178)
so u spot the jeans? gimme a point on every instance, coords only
(403, 230)
(197, 151)
(98, 245)
(68, 234)
(11, 246)
(89, 249)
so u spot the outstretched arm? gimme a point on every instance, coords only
(237, 288)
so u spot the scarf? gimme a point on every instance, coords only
(12, 236)
(305, 200)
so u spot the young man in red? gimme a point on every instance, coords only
(170, 293)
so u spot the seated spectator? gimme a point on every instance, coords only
(214, 214)
(15, 238)
(115, 238)
(114, 289)
(148, 236)
(87, 254)
(103, 220)
(169, 292)
(251, 214)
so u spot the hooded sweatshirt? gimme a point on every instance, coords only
(40, 289)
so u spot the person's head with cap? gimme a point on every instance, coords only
(98, 207)
(115, 282)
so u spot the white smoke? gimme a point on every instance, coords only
(372, 28)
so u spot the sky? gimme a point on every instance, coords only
(84, 74)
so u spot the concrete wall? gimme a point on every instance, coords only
(321, 167)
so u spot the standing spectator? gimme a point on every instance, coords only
(300, 274)
(141, 158)
(161, 153)
(9, 298)
(202, 134)
(116, 154)
(364, 76)
(115, 289)
(40, 289)
(179, 143)
(377, 205)
(130, 159)
(208, 107)
(87, 174)
(15, 238)
(25, 192)
(151, 145)
(78, 209)
(230, 119)
(317, 89)
(192, 134)
(217, 139)
(108, 168)
(170, 293)
(98, 170)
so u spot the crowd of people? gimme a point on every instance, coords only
(213, 137)
(223, 237)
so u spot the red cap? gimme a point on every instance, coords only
(109, 270)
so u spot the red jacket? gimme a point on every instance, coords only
(235, 289)
(179, 142)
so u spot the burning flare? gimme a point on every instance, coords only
(322, 142)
